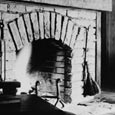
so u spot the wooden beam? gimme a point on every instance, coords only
(104, 5)
(9, 41)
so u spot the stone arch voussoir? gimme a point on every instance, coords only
(43, 25)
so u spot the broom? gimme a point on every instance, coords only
(90, 87)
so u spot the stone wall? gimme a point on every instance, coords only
(69, 25)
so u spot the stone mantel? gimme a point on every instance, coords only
(101, 5)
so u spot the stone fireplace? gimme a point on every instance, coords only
(43, 42)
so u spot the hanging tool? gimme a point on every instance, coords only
(90, 87)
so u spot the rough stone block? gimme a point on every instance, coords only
(91, 30)
(10, 76)
(11, 56)
(35, 24)
(77, 68)
(68, 84)
(92, 38)
(77, 53)
(9, 16)
(91, 53)
(74, 36)
(59, 64)
(41, 24)
(69, 33)
(53, 21)
(59, 70)
(91, 60)
(56, 76)
(78, 60)
(48, 8)
(91, 45)
(16, 8)
(64, 27)
(77, 76)
(22, 30)
(3, 7)
(67, 91)
(84, 22)
(10, 64)
(47, 24)
(79, 45)
(62, 11)
(32, 8)
(16, 35)
(9, 41)
(28, 27)
(67, 99)
(58, 27)
(60, 58)
(90, 15)
(68, 77)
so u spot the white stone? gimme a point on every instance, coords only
(16, 8)
(85, 14)
(8, 41)
(9, 16)
(58, 27)
(85, 23)
(77, 68)
(22, 30)
(48, 8)
(10, 64)
(11, 55)
(77, 53)
(91, 53)
(10, 75)
(3, 7)
(79, 45)
(32, 8)
(47, 24)
(62, 11)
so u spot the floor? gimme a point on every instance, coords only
(31, 104)
(102, 104)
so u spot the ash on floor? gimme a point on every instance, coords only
(102, 104)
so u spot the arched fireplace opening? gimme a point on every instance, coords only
(44, 55)
(48, 60)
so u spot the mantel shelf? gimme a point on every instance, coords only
(101, 5)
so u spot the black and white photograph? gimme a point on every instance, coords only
(57, 57)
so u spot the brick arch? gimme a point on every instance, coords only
(43, 25)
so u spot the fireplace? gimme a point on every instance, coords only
(43, 42)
